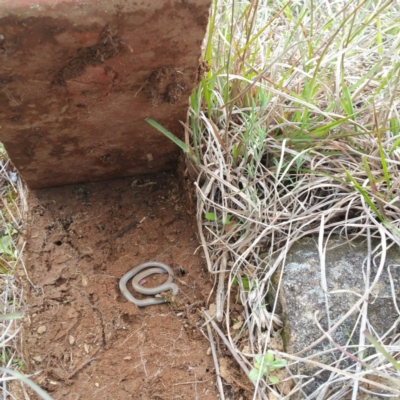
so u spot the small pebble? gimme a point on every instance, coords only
(128, 358)
(84, 281)
(96, 384)
(13, 177)
(237, 325)
(41, 329)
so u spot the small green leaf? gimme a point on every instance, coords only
(273, 379)
(210, 216)
(269, 357)
(278, 364)
(258, 359)
(253, 375)
(246, 284)
(6, 245)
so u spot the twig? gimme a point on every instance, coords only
(191, 383)
(215, 358)
(364, 317)
(23, 266)
(76, 370)
(125, 230)
(220, 297)
(340, 372)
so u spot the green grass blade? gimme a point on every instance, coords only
(44, 395)
(371, 178)
(168, 134)
(363, 193)
(6, 317)
(379, 40)
(394, 127)
(173, 138)
(381, 151)
(380, 348)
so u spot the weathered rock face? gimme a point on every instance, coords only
(78, 78)
(303, 299)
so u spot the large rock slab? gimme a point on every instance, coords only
(303, 301)
(78, 79)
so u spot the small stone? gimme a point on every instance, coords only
(96, 384)
(209, 351)
(237, 325)
(84, 281)
(71, 340)
(37, 359)
(41, 329)
(13, 177)
(127, 358)
(86, 347)
(246, 350)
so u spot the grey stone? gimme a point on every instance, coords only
(302, 295)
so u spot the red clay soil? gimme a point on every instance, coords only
(84, 337)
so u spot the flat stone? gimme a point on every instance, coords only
(78, 79)
(302, 298)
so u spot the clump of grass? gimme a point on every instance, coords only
(296, 126)
(12, 213)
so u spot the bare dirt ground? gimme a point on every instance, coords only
(81, 333)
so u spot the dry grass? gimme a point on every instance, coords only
(296, 132)
(13, 212)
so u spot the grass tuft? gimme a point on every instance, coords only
(12, 306)
(296, 129)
